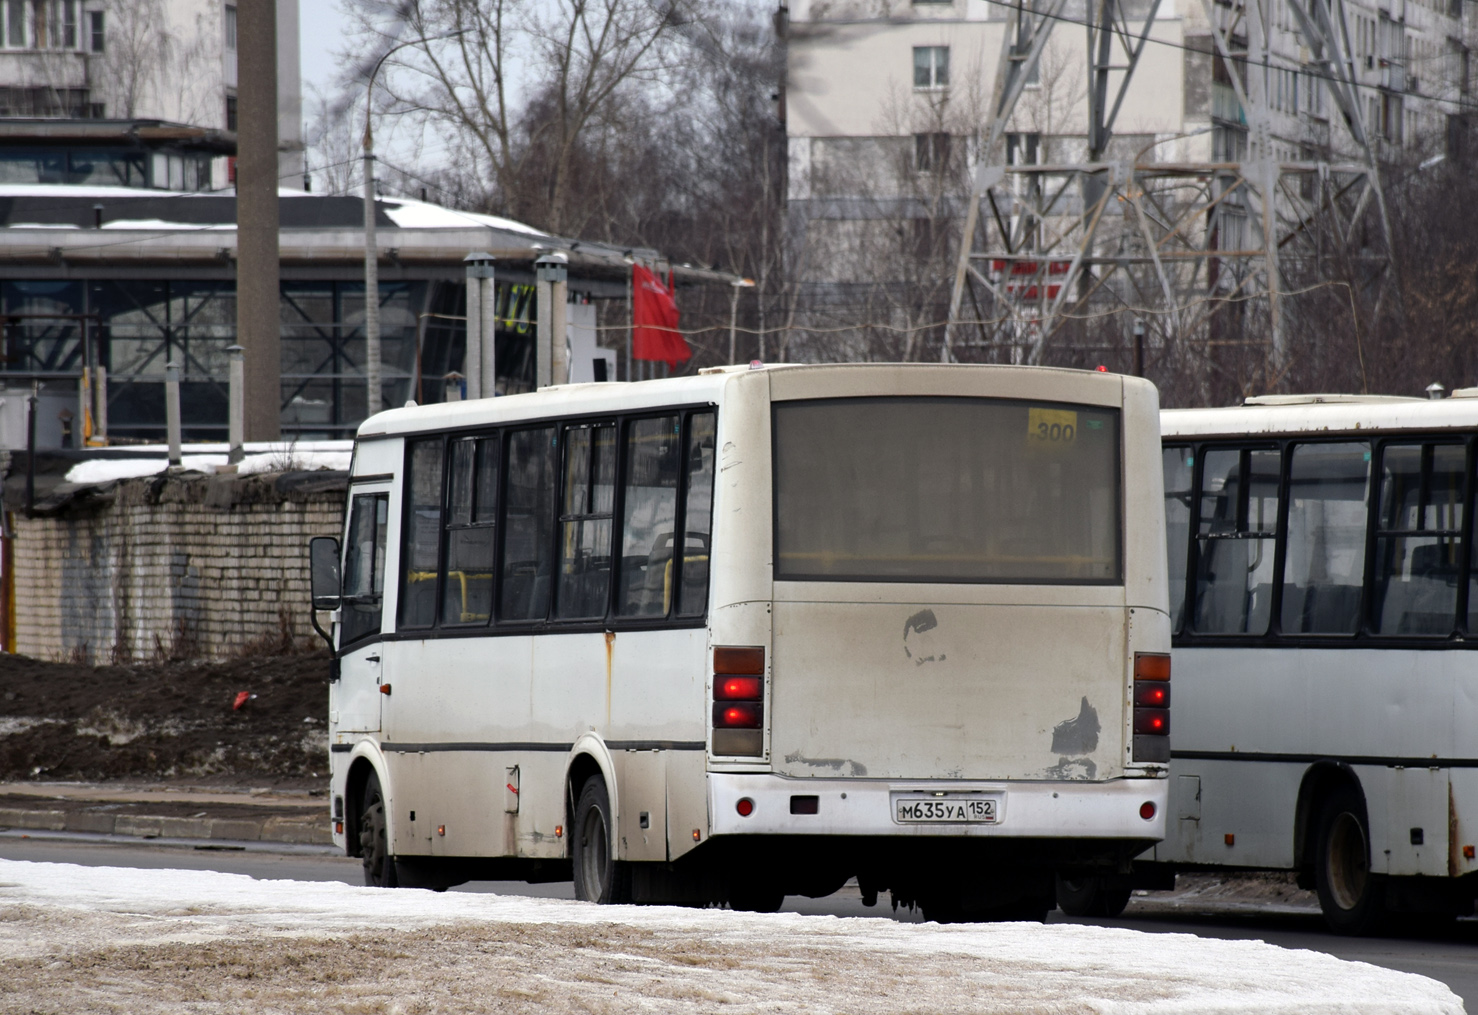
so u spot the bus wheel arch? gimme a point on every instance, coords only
(360, 771)
(588, 758)
(373, 832)
(591, 832)
(1320, 781)
(1335, 850)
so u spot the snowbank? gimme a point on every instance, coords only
(286, 459)
(172, 941)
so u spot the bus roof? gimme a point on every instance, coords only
(1300, 414)
(626, 396)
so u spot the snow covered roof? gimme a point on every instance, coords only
(48, 223)
(420, 215)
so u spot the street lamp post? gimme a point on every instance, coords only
(735, 286)
(375, 392)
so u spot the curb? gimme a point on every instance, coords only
(313, 831)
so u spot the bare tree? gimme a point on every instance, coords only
(333, 144)
(155, 67)
(136, 44)
(522, 85)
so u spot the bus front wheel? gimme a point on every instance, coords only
(1350, 896)
(599, 876)
(374, 837)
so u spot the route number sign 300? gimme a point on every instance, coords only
(1051, 427)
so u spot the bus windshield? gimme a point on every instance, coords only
(947, 490)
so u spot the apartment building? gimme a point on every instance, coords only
(139, 60)
(886, 101)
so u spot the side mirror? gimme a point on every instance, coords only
(323, 566)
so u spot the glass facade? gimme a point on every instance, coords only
(52, 329)
(106, 167)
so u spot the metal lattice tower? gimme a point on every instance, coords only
(1046, 243)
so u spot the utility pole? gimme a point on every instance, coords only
(553, 335)
(480, 365)
(258, 289)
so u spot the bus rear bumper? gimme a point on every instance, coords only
(1114, 809)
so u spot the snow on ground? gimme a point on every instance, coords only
(112, 939)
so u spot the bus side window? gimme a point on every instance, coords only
(528, 525)
(585, 522)
(1418, 534)
(653, 466)
(1236, 537)
(1179, 472)
(467, 590)
(698, 513)
(1324, 570)
(364, 568)
(422, 557)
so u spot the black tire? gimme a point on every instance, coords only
(374, 837)
(599, 876)
(1089, 896)
(751, 898)
(947, 911)
(1351, 897)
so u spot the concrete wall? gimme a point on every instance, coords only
(194, 566)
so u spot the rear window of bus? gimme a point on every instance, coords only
(947, 490)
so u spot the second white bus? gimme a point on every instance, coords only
(1326, 687)
(753, 633)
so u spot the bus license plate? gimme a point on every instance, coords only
(950, 810)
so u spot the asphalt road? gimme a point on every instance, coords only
(1449, 954)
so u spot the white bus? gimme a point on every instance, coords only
(1326, 687)
(756, 632)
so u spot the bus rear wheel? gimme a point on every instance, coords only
(755, 898)
(374, 837)
(1350, 896)
(599, 876)
(1086, 895)
(944, 909)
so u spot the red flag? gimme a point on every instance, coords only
(654, 318)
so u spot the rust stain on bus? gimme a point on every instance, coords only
(610, 651)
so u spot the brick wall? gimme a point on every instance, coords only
(189, 566)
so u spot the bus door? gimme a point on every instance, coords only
(354, 699)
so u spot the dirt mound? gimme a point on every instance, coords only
(164, 720)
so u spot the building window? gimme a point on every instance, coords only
(230, 26)
(230, 112)
(930, 152)
(15, 23)
(931, 66)
(69, 24)
(1023, 149)
(96, 18)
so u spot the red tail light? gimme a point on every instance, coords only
(1152, 706)
(738, 715)
(739, 701)
(1151, 666)
(1152, 721)
(1151, 694)
(738, 688)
